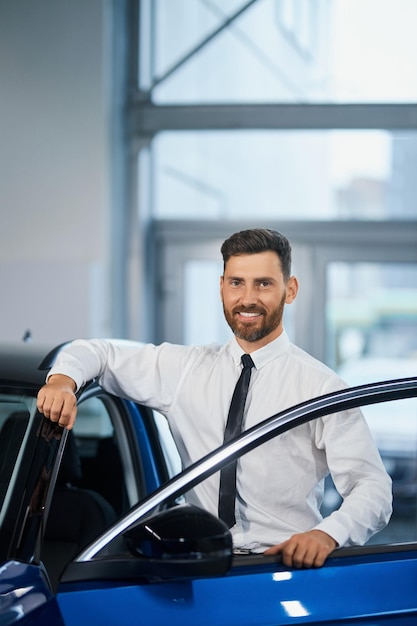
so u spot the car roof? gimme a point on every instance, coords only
(26, 363)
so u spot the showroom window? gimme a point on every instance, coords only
(285, 174)
(336, 51)
(314, 121)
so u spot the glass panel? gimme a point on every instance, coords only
(284, 51)
(290, 174)
(97, 455)
(14, 418)
(372, 335)
(371, 319)
(204, 322)
(373, 48)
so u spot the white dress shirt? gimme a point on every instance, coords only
(280, 483)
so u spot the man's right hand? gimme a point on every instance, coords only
(57, 400)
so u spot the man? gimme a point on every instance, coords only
(280, 484)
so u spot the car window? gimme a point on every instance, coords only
(15, 411)
(96, 483)
(105, 461)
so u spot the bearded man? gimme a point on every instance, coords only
(278, 486)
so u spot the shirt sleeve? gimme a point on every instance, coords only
(144, 373)
(359, 476)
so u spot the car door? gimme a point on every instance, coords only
(29, 451)
(60, 489)
(167, 562)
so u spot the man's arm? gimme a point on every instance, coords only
(57, 400)
(309, 549)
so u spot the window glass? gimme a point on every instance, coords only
(283, 51)
(101, 467)
(285, 174)
(15, 411)
(371, 319)
(204, 321)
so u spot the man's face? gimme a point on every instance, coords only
(254, 294)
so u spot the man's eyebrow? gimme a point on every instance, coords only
(259, 279)
(262, 279)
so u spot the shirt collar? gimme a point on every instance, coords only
(264, 355)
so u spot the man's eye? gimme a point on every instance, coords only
(265, 283)
(235, 283)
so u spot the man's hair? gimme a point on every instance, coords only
(258, 240)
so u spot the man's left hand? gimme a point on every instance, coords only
(309, 549)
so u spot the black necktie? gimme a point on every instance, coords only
(227, 493)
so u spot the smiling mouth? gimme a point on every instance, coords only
(248, 315)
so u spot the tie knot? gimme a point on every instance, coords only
(247, 361)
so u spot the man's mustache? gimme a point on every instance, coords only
(248, 309)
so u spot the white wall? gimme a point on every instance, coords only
(54, 168)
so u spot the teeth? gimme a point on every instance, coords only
(249, 314)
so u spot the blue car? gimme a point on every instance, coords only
(94, 527)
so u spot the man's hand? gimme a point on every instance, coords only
(57, 400)
(309, 549)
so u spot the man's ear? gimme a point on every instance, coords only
(221, 288)
(292, 289)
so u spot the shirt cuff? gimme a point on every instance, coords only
(336, 530)
(67, 371)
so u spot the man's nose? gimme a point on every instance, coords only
(249, 295)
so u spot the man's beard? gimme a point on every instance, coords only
(246, 331)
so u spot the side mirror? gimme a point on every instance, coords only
(180, 542)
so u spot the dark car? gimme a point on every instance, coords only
(94, 528)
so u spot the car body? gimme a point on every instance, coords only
(94, 527)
